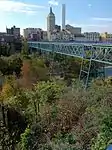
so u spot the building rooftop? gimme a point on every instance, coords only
(72, 26)
(51, 12)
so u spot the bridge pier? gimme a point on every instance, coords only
(85, 72)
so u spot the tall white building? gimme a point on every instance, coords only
(50, 21)
(63, 15)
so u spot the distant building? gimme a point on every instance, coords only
(45, 36)
(106, 37)
(9, 31)
(26, 32)
(92, 36)
(3, 33)
(63, 15)
(13, 31)
(50, 21)
(65, 35)
(6, 38)
(79, 37)
(57, 28)
(34, 37)
(29, 31)
(35, 34)
(73, 30)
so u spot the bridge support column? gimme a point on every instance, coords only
(85, 73)
(30, 50)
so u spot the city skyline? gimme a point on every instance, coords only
(91, 15)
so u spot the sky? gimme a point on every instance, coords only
(91, 15)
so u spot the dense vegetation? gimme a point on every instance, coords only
(10, 48)
(42, 109)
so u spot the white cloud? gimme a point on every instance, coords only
(102, 19)
(16, 6)
(53, 2)
(89, 5)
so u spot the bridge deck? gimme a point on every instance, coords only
(100, 52)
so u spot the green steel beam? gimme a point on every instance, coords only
(99, 53)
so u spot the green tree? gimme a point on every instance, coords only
(105, 135)
(39, 70)
(25, 49)
(11, 65)
(14, 64)
(49, 91)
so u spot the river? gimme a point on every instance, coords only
(108, 71)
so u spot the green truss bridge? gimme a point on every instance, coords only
(97, 52)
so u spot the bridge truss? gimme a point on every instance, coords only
(91, 52)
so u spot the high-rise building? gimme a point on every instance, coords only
(63, 16)
(50, 21)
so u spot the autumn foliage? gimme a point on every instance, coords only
(25, 81)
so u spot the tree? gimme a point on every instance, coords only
(11, 65)
(5, 50)
(39, 70)
(4, 66)
(13, 121)
(9, 88)
(14, 65)
(48, 91)
(101, 142)
(10, 130)
(25, 50)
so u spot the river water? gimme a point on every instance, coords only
(108, 71)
